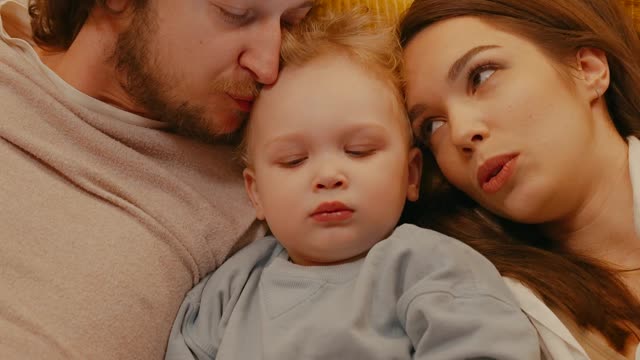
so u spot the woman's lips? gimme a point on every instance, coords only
(495, 172)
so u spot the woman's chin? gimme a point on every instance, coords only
(522, 208)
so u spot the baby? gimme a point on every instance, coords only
(330, 163)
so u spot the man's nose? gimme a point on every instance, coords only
(262, 56)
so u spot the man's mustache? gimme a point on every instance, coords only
(238, 88)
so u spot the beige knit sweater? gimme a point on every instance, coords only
(106, 219)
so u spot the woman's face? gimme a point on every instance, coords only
(507, 125)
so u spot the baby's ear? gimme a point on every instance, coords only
(252, 190)
(415, 174)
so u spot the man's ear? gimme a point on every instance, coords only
(593, 69)
(415, 174)
(252, 190)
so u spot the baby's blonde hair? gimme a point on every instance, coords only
(364, 38)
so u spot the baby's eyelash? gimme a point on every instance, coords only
(294, 162)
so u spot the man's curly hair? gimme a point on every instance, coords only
(56, 23)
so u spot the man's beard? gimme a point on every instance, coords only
(143, 80)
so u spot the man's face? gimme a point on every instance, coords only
(198, 64)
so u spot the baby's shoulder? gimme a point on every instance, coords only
(436, 261)
(408, 237)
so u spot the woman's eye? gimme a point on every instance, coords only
(480, 75)
(428, 128)
(435, 125)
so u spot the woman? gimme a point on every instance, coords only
(532, 109)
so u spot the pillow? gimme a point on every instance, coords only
(633, 7)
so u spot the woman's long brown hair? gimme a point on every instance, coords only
(587, 290)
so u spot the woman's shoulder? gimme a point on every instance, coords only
(634, 150)
(556, 340)
(634, 173)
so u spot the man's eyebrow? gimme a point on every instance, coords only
(459, 64)
(415, 111)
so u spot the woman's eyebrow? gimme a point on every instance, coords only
(459, 64)
(454, 72)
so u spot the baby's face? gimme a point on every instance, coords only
(331, 164)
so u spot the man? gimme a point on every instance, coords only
(117, 189)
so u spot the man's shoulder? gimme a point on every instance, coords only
(17, 56)
(15, 22)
